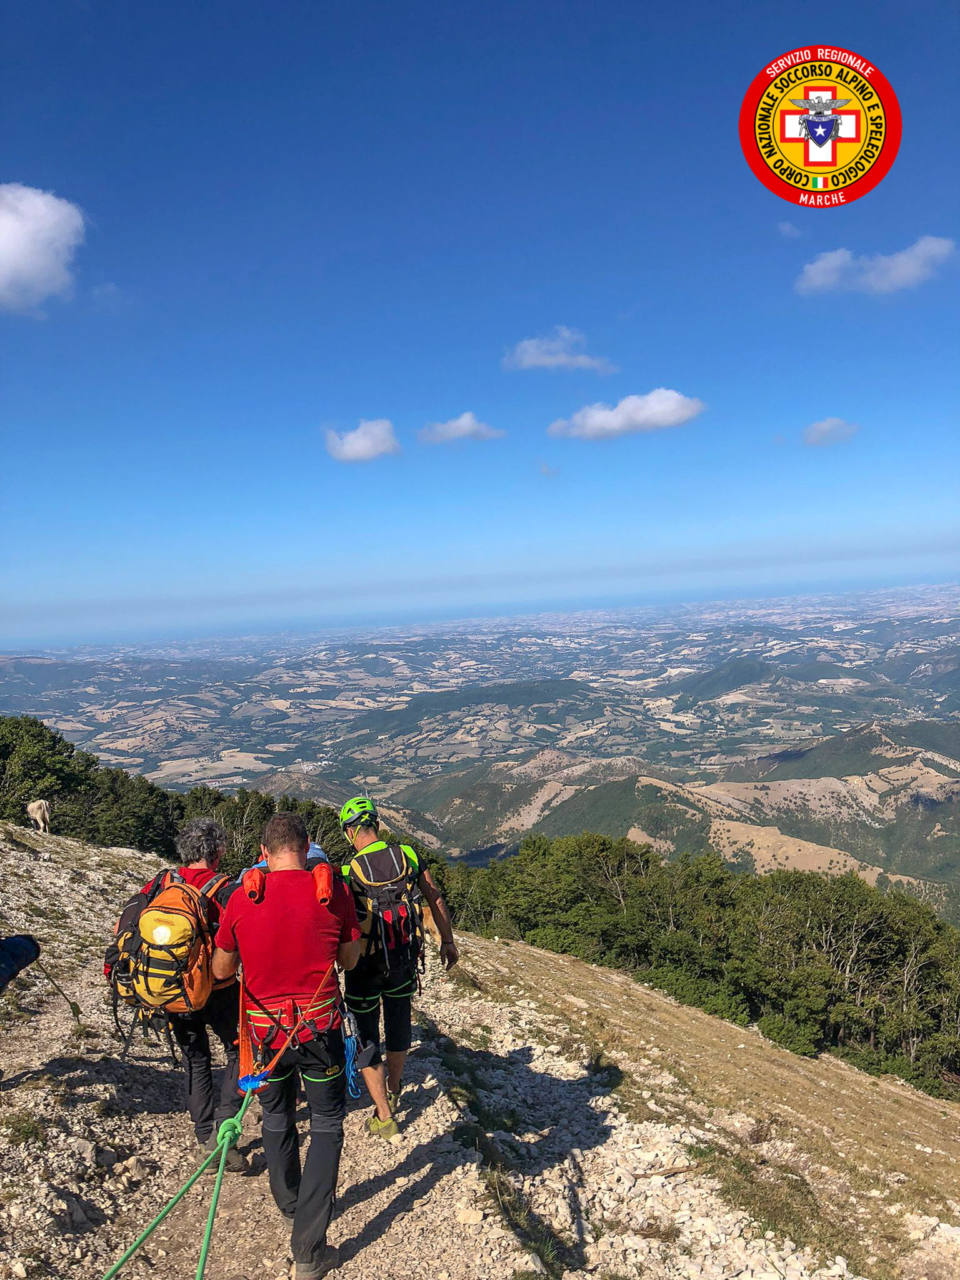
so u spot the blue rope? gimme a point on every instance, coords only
(350, 1055)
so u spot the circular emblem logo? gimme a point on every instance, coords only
(820, 126)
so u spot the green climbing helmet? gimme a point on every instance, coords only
(360, 811)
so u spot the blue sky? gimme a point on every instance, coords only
(296, 219)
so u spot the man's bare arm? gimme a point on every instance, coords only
(448, 948)
(348, 953)
(225, 963)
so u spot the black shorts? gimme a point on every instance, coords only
(365, 991)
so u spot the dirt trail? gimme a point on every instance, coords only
(90, 1148)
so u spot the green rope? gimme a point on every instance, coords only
(227, 1136)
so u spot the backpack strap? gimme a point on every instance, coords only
(411, 857)
(215, 885)
(323, 882)
(254, 882)
(163, 880)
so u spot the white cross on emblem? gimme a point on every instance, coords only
(820, 122)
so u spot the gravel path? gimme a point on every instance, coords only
(90, 1147)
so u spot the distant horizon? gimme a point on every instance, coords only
(350, 626)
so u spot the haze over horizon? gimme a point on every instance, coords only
(317, 317)
(452, 619)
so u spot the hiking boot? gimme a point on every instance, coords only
(393, 1099)
(235, 1162)
(314, 1270)
(378, 1128)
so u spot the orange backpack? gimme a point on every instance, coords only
(165, 955)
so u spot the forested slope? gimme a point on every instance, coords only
(816, 962)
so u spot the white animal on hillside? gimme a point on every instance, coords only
(38, 811)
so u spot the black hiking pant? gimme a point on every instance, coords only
(220, 1015)
(364, 993)
(308, 1195)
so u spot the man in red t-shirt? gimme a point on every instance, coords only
(288, 941)
(201, 844)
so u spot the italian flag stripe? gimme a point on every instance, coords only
(819, 184)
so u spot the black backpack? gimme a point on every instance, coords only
(383, 878)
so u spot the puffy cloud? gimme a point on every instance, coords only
(39, 233)
(789, 231)
(653, 412)
(371, 439)
(466, 427)
(829, 431)
(839, 269)
(557, 350)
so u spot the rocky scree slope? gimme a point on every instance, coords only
(685, 1148)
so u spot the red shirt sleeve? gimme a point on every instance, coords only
(346, 909)
(226, 938)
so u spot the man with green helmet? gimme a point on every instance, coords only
(389, 888)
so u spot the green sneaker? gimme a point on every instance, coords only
(393, 1100)
(378, 1128)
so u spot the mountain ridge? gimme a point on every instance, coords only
(891, 810)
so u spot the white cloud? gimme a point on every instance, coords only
(829, 431)
(839, 269)
(465, 427)
(371, 439)
(653, 412)
(39, 233)
(789, 231)
(557, 350)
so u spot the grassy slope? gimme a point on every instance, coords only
(810, 1143)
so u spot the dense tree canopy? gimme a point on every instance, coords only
(817, 962)
(112, 807)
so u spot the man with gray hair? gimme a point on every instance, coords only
(201, 843)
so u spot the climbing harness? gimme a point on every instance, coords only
(253, 1074)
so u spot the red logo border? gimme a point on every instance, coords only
(854, 190)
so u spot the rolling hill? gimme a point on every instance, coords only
(883, 800)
